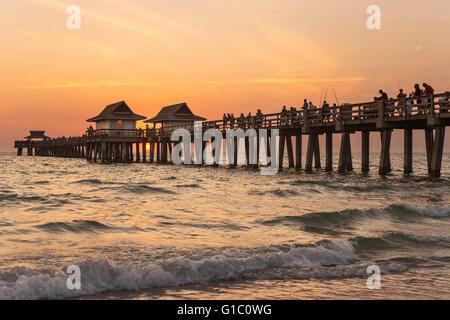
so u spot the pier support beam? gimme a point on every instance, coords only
(95, 152)
(309, 154)
(438, 147)
(281, 151)
(388, 155)
(298, 151)
(152, 152)
(365, 157)
(290, 151)
(144, 152)
(158, 152)
(317, 163)
(329, 151)
(349, 163)
(138, 153)
(385, 165)
(343, 154)
(429, 141)
(407, 151)
(247, 150)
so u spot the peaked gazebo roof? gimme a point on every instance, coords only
(37, 135)
(117, 111)
(176, 112)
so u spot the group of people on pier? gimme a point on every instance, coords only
(243, 122)
(420, 97)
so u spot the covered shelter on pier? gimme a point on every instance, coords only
(116, 116)
(36, 135)
(177, 115)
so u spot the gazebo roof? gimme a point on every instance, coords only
(176, 112)
(117, 111)
(34, 134)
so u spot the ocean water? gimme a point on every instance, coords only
(141, 231)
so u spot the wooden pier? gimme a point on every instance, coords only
(153, 145)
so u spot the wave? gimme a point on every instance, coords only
(143, 188)
(75, 226)
(276, 192)
(15, 197)
(100, 275)
(89, 181)
(393, 240)
(348, 216)
(192, 185)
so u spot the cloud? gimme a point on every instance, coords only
(270, 80)
(114, 21)
(418, 48)
(94, 84)
(102, 48)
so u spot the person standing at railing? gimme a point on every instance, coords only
(401, 96)
(428, 91)
(259, 117)
(418, 93)
(284, 116)
(325, 110)
(304, 108)
(225, 120)
(312, 111)
(231, 120)
(249, 120)
(240, 121)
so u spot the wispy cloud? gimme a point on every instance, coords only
(102, 48)
(270, 80)
(155, 18)
(94, 84)
(113, 21)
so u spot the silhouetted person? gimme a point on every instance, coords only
(326, 110)
(241, 120)
(232, 120)
(401, 103)
(417, 94)
(259, 118)
(428, 91)
(225, 120)
(383, 96)
(284, 116)
(249, 119)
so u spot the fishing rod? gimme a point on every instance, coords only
(335, 96)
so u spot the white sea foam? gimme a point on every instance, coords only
(101, 275)
(432, 211)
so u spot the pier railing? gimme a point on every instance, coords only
(387, 110)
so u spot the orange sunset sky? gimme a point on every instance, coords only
(216, 55)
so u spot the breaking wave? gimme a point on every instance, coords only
(100, 275)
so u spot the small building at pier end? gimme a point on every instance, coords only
(117, 117)
(37, 136)
(177, 115)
